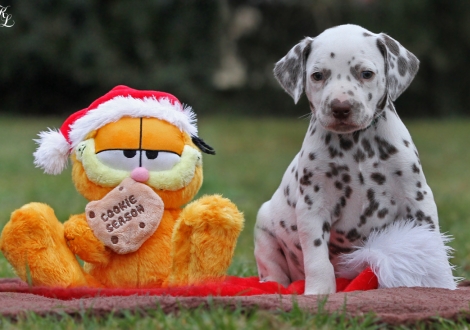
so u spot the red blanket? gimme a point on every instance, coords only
(231, 286)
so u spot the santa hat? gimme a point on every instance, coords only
(56, 145)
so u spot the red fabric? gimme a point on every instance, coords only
(231, 286)
(366, 280)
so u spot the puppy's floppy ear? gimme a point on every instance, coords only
(290, 70)
(401, 65)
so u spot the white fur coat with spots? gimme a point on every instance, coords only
(357, 173)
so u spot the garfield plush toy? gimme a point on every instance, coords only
(137, 158)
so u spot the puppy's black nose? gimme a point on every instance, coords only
(341, 110)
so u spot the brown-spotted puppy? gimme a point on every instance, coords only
(358, 170)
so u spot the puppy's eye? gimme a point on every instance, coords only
(367, 75)
(317, 76)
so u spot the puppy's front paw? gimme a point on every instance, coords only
(323, 288)
(323, 283)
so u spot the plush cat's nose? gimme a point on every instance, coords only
(140, 174)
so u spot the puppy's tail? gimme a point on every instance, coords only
(403, 254)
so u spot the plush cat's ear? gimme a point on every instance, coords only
(204, 147)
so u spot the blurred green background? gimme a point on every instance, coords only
(215, 55)
(218, 56)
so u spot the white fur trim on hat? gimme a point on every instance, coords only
(403, 254)
(52, 153)
(110, 111)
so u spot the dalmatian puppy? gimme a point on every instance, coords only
(357, 171)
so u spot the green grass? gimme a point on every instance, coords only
(252, 155)
(211, 317)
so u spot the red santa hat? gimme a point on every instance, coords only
(56, 145)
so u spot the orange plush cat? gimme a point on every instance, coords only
(137, 158)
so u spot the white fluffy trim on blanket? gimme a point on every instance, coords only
(403, 254)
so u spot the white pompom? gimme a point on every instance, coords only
(52, 153)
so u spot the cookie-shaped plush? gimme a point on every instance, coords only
(126, 217)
